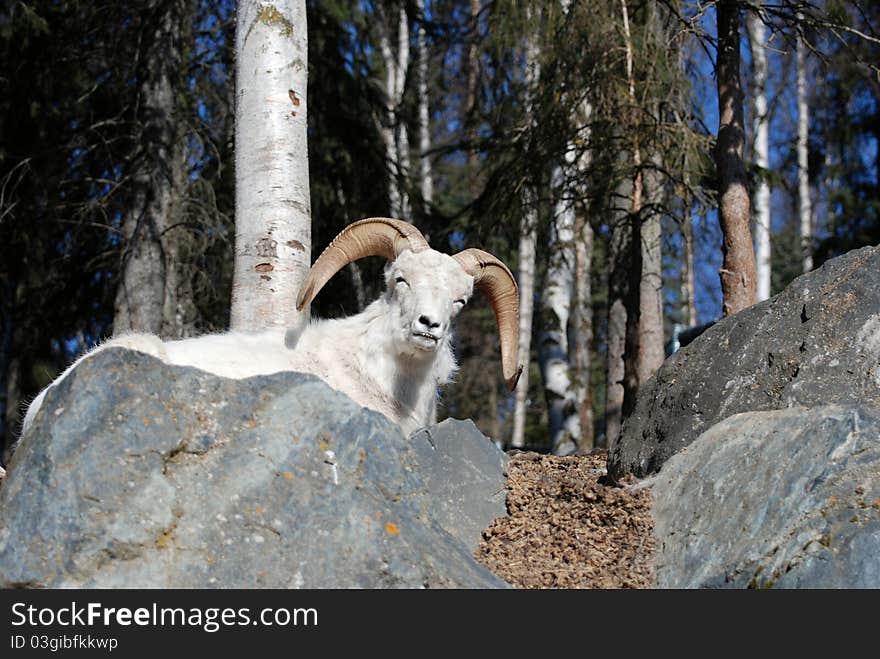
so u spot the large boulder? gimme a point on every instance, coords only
(817, 342)
(139, 474)
(787, 498)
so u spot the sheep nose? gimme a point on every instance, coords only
(427, 322)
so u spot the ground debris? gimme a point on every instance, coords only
(566, 529)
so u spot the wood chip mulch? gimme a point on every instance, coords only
(566, 529)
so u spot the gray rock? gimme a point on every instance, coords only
(817, 342)
(138, 474)
(463, 470)
(787, 498)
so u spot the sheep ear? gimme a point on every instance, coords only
(496, 282)
(374, 236)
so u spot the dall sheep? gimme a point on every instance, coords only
(393, 356)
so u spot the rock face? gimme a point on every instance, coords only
(817, 342)
(787, 499)
(138, 474)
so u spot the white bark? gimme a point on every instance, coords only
(582, 322)
(272, 207)
(402, 132)
(526, 281)
(556, 300)
(805, 210)
(761, 152)
(583, 329)
(526, 274)
(394, 132)
(425, 180)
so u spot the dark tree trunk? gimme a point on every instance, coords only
(473, 68)
(622, 327)
(147, 295)
(738, 268)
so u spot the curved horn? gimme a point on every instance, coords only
(496, 282)
(374, 236)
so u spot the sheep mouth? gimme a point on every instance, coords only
(425, 340)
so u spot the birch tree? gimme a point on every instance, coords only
(805, 209)
(583, 328)
(582, 311)
(761, 152)
(394, 131)
(526, 282)
(738, 265)
(272, 207)
(426, 183)
(556, 300)
(146, 296)
(527, 245)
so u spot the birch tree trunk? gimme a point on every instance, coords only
(146, 296)
(526, 281)
(426, 183)
(738, 266)
(556, 299)
(761, 151)
(394, 131)
(582, 321)
(402, 131)
(583, 329)
(805, 209)
(272, 206)
(526, 274)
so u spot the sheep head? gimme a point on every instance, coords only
(429, 287)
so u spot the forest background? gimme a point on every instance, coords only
(577, 141)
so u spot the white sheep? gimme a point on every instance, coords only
(393, 356)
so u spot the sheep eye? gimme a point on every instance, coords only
(401, 280)
(460, 301)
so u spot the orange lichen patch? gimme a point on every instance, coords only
(259, 510)
(377, 515)
(146, 422)
(252, 424)
(363, 455)
(391, 528)
(288, 475)
(833, 500)
(165, 539)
